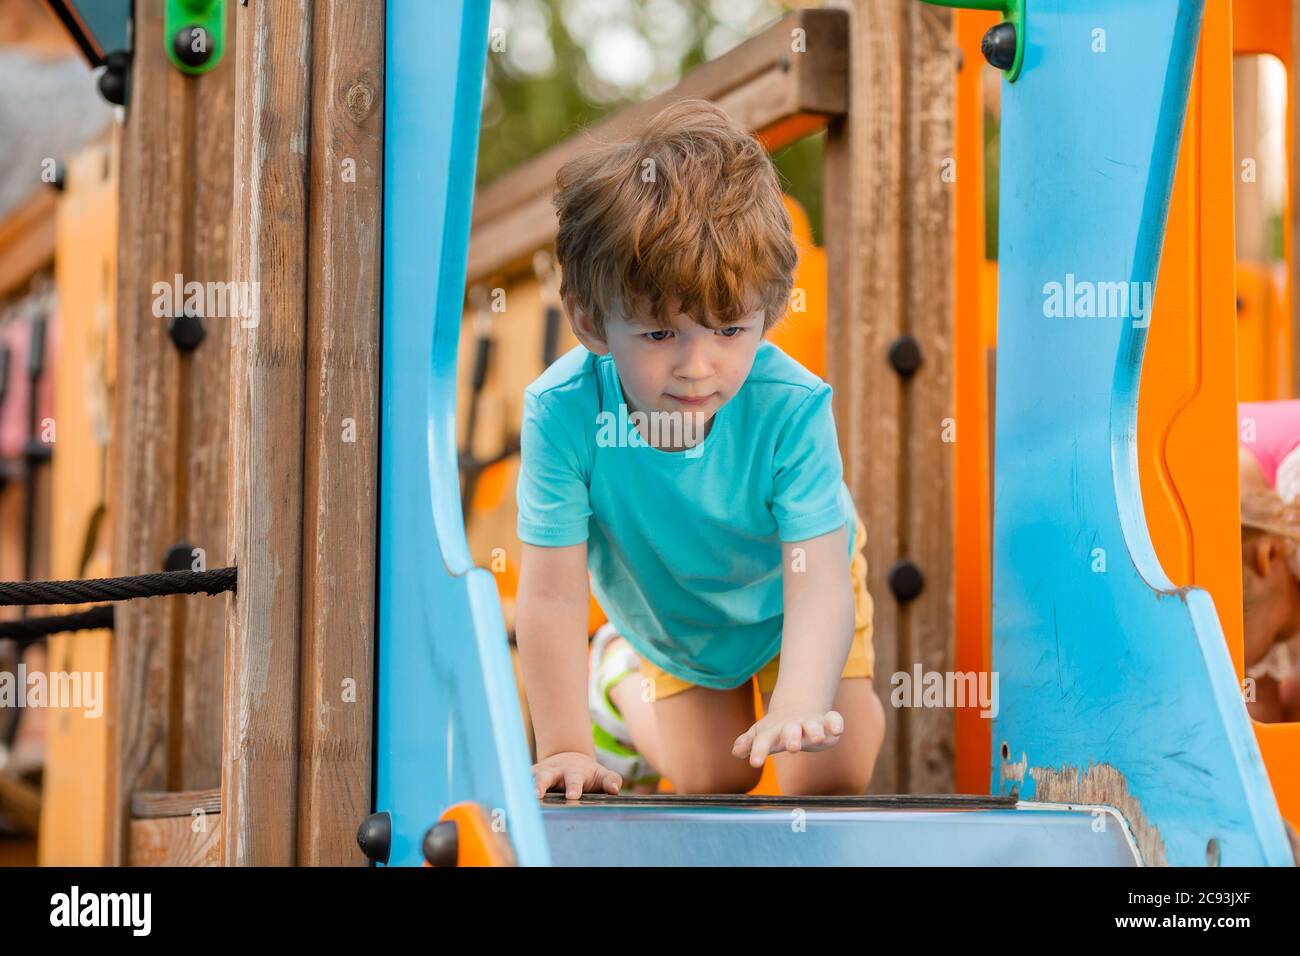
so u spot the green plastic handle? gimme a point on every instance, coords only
(1013, 12)
(206, 15)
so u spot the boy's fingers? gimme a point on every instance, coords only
(814, 731)
(792, 737)
(612, 782)
(572, 785)
(834, 723)
(742, 744)
(543, 777)
(761, 748)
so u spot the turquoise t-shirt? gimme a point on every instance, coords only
(684, 547)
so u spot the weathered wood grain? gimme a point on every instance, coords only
(342, 430)
(149, 453)
(887, 235)
(268, 357)
(177, 841)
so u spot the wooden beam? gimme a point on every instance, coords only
(341, 468)
(782, 84)
(259, 786)
(888, 221)
(27, 240)
(304, 440)
(176, 841)
(146, 804)
(169, 461)
(20, 801)
(925, 503)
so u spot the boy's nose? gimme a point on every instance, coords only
(693, 361)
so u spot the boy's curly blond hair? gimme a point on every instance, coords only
(687, 215)
(1264, 512)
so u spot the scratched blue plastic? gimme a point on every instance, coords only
(1117, 666)
(1114, 667)
(448, 720)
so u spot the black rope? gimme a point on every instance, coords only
(31, 630)
(117, 589)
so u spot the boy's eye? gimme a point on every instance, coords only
(731, 331)
(658, 335)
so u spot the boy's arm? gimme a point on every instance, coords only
(817, 634)
(551, 612)
(818, 629)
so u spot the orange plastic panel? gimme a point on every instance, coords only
(975, 324)
(1262, 26)
(802, 334)
(73, 819)
(1187, 406)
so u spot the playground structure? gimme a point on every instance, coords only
(236, 711)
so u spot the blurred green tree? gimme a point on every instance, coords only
(556, 66)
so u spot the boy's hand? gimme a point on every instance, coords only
(576, 774)
(789, 730)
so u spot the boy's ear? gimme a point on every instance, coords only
(584, 328)
(1262, 552)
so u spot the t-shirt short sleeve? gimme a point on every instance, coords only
(807, 471)
(552, 493)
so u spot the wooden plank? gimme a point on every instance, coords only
(176, 841)
(145, 451)
(926, 494)
(203, 462)
(274, 52)
(147, 804)
(20, 801)
(342, 428)
(170, 464)
(779, 83)
(862, 185)
(27, 240)
(17, 851)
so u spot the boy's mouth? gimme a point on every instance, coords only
(694, 400)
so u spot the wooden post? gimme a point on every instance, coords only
(170, 428)
(889, 258)
(304, 431)
(341, 474)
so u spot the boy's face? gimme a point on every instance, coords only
(688, 368)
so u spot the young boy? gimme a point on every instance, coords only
(693, 469)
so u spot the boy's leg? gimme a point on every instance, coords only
(687, 736)
(696, 730)
(845, 768)
(638, 716)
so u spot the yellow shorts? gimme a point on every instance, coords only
(862, 657)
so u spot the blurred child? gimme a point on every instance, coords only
(1270, 570)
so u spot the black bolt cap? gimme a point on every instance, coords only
(179, 557)
(999, 46)
(192, 46)
(905, 581)
(441, 846)
(905, 355)
(375, 836)
(186, 330)
(114, 81)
